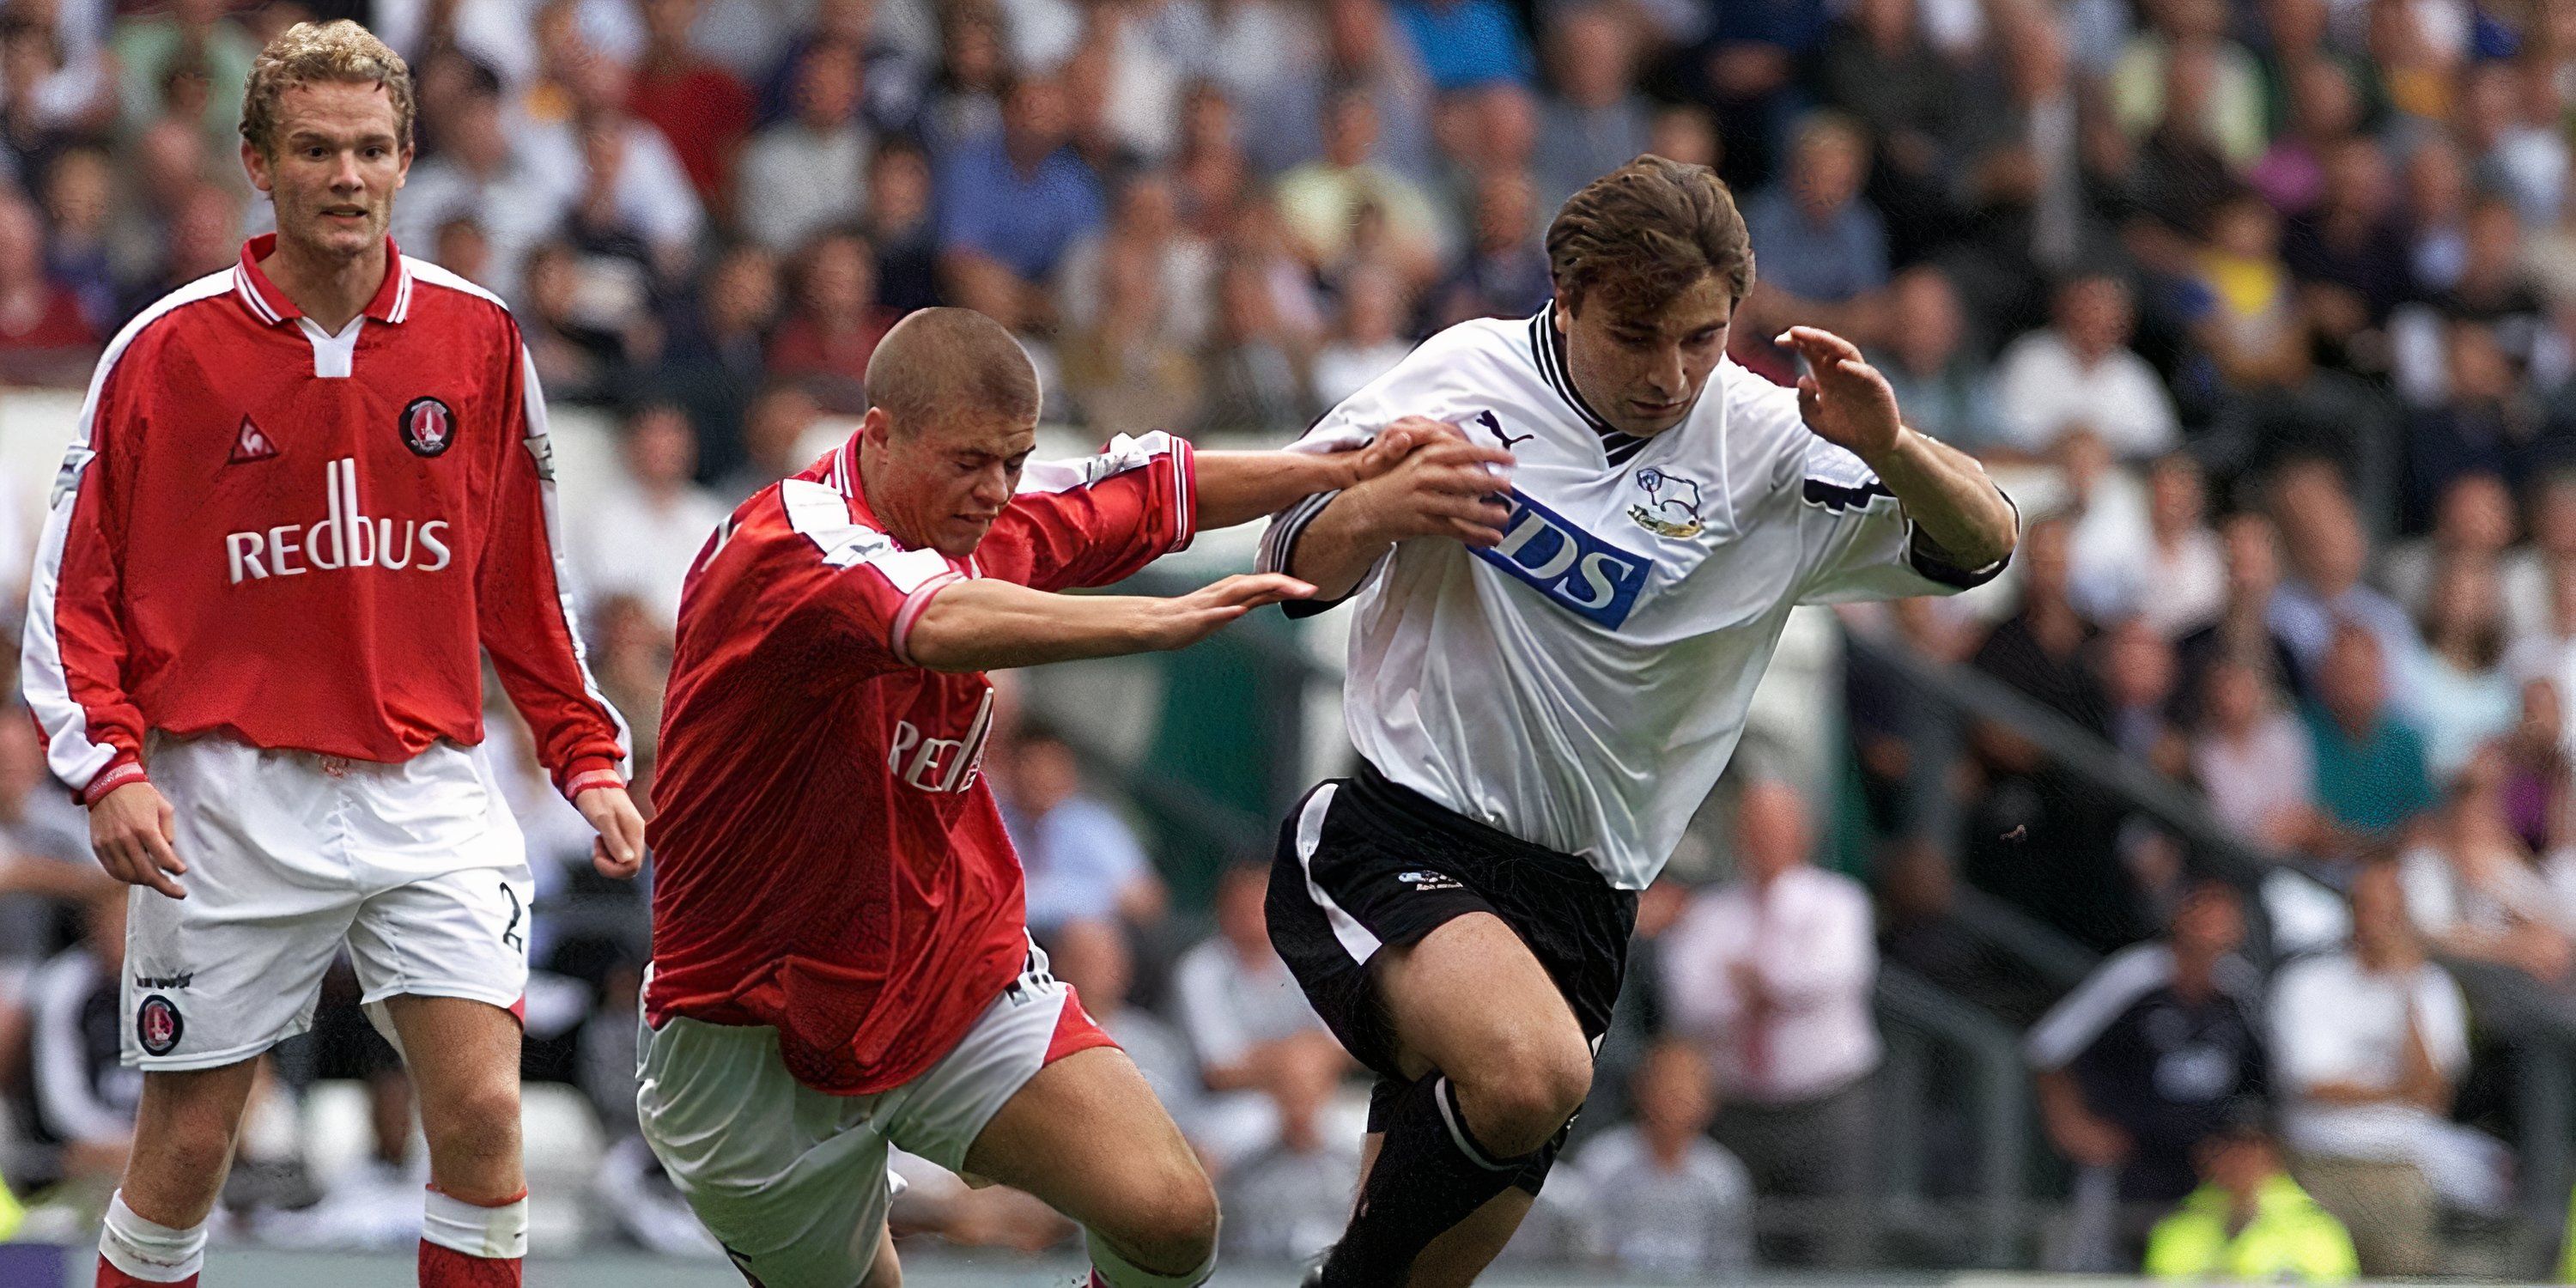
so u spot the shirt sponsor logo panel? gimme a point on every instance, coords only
(1577, 571)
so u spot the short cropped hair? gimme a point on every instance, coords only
(944, 362)
(1644, 233)
(310, 53)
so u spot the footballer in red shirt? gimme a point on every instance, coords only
(840, 954)
(308, 493)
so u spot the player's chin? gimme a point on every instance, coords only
(959, 537)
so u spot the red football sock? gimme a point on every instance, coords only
(111, 1277)
(472, 1245)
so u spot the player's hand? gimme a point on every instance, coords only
(1184, 620)
(1398, 441)
(132, 830)
(619, 849)
(1844, 400)
(1445, 486)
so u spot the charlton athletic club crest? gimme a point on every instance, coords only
(427, 426)
(157, 1025)
(1671, 507)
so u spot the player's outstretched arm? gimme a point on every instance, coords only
(1845, 401)
(985, 624)
(1445, 487)
(1239, 487)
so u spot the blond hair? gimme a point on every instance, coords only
(319, 52)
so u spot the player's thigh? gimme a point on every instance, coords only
(791, 1181)
(1087, 1136)
(1470, 995)
(463, 1056)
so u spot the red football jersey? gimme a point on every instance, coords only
(304, 540)
(827, 860)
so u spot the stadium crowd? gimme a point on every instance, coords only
(2265, 310)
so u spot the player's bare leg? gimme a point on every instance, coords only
(1501, 1065)
(1087, 1136)
(464, 1061)
(886, 1271)
(184, 1129)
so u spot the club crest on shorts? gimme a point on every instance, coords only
(157, 1025)
(427, 426)
(1671, 507)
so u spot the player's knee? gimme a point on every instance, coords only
(185, 1146)
(476, 1121)
(1522, 1096)
(1171, 1228)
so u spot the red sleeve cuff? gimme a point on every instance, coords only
(1185, 493)
(126, 768)
(899, 631)
(586, 772)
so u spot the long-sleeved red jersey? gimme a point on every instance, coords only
(298, 539)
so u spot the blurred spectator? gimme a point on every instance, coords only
(2435, 203)
(833, 328)
(2231, 110)
(1322, 201)
(897, 222)
(79, 200)
(720, 358)
(2253, 757)
(2080, 375)
(2137, 669)
(1253, 370)
(1011, 202)
(44, 337)
(577, 354)
(2473, 890)
(2243, 313)
(2473, 521)
(2249, 1222)
(478, 172)
(774, 430)
(1824, 250)
(2509, 123)
(1368, 339)
(2324, 109)
(2042, 650)
(2349, 252)
(2370, 768)
(2328, 552)
(1289, 1200)
(698, 105)
(1126, 367)
(2136, 1067)
(1082, 860)
(84, 1098)
(1670, 1203)
(809, 171)
(2531, 573)
(203, 236)
(644, 530)
(1772, 975)
(1595, 121)
(1504, 272)
(1944, 387)
(2172, 575)
(631, 658)
(2454, 691)
(1465, 43)
(194, 38)
(1248, 1022)
(2481, 421)
(2369, 1044)
(1750, 61)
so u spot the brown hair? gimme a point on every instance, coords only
(1646, 232)
(945, 362)
(320, 52)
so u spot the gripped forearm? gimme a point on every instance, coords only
(1238, 487)
(1949, 497)
(1338, 547)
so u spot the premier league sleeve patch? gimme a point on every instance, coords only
(428, 426)
(157, 1025)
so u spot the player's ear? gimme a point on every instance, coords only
(255, 163)
(877, 428)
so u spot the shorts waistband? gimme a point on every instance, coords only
(1377, 790)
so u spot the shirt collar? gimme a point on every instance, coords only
(270, 305)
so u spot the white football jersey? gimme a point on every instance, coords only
(1581, 685)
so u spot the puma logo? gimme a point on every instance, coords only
(1494, 425)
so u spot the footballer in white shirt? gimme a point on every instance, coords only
(1543, 686)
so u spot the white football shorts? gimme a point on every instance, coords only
(417, 867)
(793, 1181)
